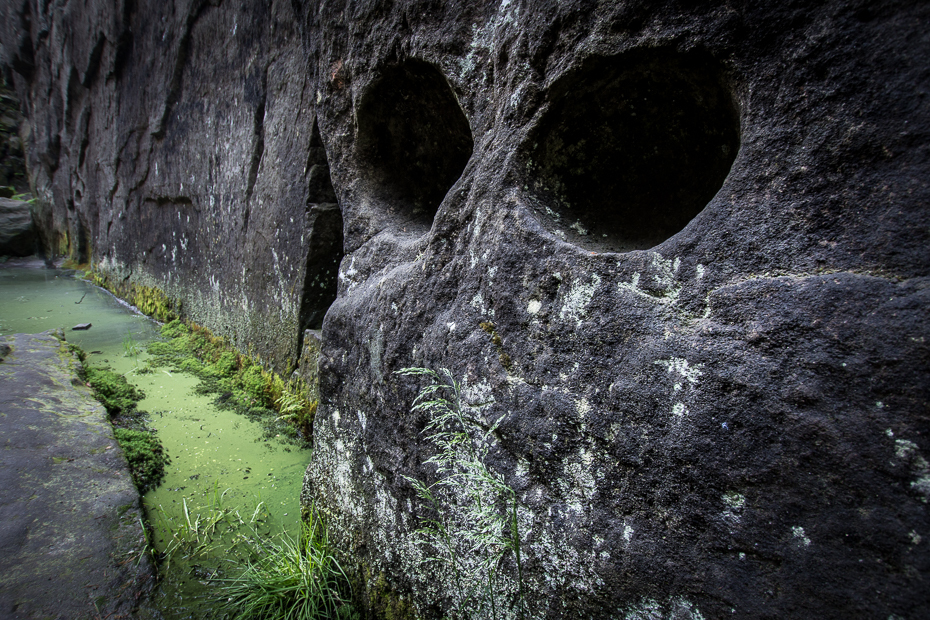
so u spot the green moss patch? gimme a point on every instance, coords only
(148, 299)
(113, 390)
(145, 453)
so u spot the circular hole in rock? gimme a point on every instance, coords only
(413, 140)
(632, 148)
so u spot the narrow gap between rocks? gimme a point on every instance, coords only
(324, 223)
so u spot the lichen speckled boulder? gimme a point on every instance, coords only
(71, 543)
(679, 250)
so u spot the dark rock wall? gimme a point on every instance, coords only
(171, 144)
(12, 164)
(681, 249)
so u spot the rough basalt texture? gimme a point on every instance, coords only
(680, 249)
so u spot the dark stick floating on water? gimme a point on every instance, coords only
(81, 299)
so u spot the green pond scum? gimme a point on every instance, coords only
(232, 482)
(239, 381)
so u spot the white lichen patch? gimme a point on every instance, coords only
(578, 484)
(582, 406)
(664, 273)
(734, 505)
(906, 450)
(479, 394)
(915, 537)
(733, 500)
(579, 228)
(484, 39)
(678, 608)
(565, 566)
(534, 306)
(681, 367)
(348, 274)
(579, 296)
(628, 533)
(684, 376)
(798, 533)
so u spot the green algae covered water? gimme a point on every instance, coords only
(228, 486)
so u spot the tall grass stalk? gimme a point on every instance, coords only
(131, 348)
(476, 537)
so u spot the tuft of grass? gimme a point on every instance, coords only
(291, 580)
(131, 348)
(473, 529)
(200, 532)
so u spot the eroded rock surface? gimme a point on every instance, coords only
(71, 543)
(680, 250)
(17, 234)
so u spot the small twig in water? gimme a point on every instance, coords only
(82, 298)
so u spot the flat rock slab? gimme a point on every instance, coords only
(71, 539)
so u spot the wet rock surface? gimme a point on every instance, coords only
(681, 252)
(71, 544)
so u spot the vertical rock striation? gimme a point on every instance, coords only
(679, 251)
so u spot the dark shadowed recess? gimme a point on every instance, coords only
(324, 223)
(413, 141)
(632, 148)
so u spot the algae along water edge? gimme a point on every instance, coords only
(228, 487)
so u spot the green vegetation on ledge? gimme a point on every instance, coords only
(113, 391)
(144, 452)
(239, 380)
(146, 456)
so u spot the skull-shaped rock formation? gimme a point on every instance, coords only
(675, 254)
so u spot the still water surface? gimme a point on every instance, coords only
(235, 484)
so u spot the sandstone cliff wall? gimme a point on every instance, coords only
(679, 250)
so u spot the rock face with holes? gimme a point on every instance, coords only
(679, 253)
